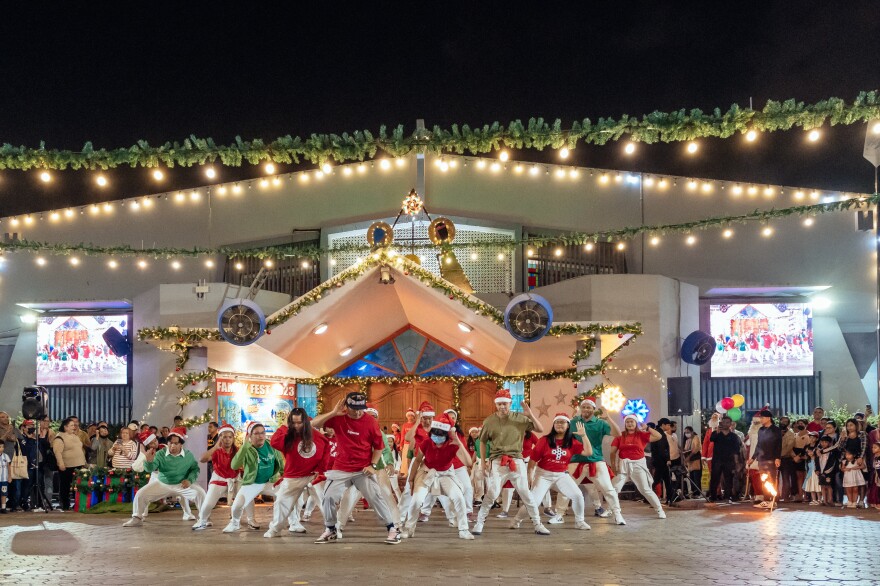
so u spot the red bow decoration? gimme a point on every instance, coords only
(509, 462)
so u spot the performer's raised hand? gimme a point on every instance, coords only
(150, 454)
(579, 429)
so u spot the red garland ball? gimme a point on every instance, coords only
(406, 273)
(610, 360)
(177, 369)
(193, 383)
(619, 335)
(268, 332)
(180, 340)
(110, 472)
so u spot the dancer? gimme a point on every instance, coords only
(417, 434)
(306, 454)
(262, 465)
(505, 430)
(406, 445)
(177, 470)
(224, 480)
(629, 448)
(360, 445)
(438, 476)
(594, 466)
(549, 468)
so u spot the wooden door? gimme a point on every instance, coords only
(477, 403)
(393, 400)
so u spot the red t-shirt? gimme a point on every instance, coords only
(355, 441)
(554, 459)
(223, 463)
(529, 441)
(631, 446)
(298, 464)
(421, 436)
(815, 426)
(438, 457)
(456, 463)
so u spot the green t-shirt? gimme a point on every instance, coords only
(265, 463)
(596, 429)
(505, 436)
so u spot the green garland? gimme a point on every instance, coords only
(574, 238)
(536, 134)
(198, 420)
(591, 394)
(193, 378)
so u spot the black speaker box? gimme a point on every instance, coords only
(679, 391)
(117, 342)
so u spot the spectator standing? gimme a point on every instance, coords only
(70, 456)
(661, 456)
(693, 457)
(831, 431)
(727, 449)
(801, 441)
(768, 454)
(874, 481)
(124, 451)
(29, 446)
(788, 486)
(855, 441)
(816, 424)
(101, 445)
(827, 466)
(48, 466)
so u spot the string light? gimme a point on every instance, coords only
(588, 246)
(481, 164)
(563, 153)
(630, 148)
(504, 156)
(13, 222)
(269, 168)
(142, 264)
(649, 181)
(768, 191)
(692, 147)
(54, 216)
(209, 263)
(692, 184)
(752, 190)
(876, 128)
(179, 196)
(74, 261)
(269, 264)
(400, 162)
(68, 213)
(621, 246)
(28, 220)
(101, 181)
(264, 183)
(347, 171)
(210, 173)
(751, 135)
(707, 187)
(385, 164)
(175, 264)
(112, 263)
(327, 168)
(655, 241)
(808, 222)
(814, 135)
(495, 167)
(45, 177)
(40, 261)
(727, 233)
(158, 175)
(767, 232)
(737, 189)
(573, 173)
(691, 240)
(501, 256)
(239, 266)
(560, 173)
(534, 170)
(195, 196)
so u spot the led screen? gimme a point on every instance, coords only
(72, 350)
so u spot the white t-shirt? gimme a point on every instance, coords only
(5, 461)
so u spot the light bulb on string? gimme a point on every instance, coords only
(728, 233)
(68, 213)
(385, 164)
(327, 168)
(269, 168)
(875, 128)
(534, 170)
(630, 148)
(767, 232)
(691, 240)
(504, 156)
(45, 177)
(752, 135)
(692, 147)
(101, 181)
(808, 222)
(564, 152)
(814, 135)
(210, 173)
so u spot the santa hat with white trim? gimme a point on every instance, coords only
(503, 396)
(427, 410)
(179, 432)
(251, 425)
(147, 437)
(225, 427)
(371, 409)
(443, 423)
(561, 417)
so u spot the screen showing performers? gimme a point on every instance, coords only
(762, 339)
(73, 350)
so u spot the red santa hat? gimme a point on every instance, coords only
(588, 402)
(410, 411)
(179, 432)
(633, 417)
(473, 429)
(250, 426)
(452, 413)
(226, 427)
(147, 437)
(443, 423)
(503, 396)
(371, 409)
(427, 410)
(561, 417)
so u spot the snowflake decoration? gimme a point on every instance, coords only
(638, 408)
(613, 399)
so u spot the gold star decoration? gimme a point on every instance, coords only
(543, 408)
(560, 398)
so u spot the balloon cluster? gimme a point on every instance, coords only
(732, 406)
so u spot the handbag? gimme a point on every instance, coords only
(18, 468)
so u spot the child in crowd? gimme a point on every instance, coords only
(827, 466)
(874, 489)
(4, 478)
(811, 482)
(852, 479)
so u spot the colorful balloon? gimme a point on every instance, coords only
(734, 413)
(720, 408)
(727, 403)
(738, 400)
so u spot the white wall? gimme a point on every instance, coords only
(840, 379)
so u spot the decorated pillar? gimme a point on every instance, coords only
(587, 362)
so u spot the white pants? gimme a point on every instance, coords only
(286, 498)
(351, 496)
(316, 495)
(155, 490)
(445, 483)
(245, 500)
(478, 482)
(336, 484)
(601, 487)
(562, 482)
(214, 494)
(637, 471)
(496, 478)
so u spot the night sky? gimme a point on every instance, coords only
(164, 71)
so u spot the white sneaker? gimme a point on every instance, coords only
(618, 518)
(478, 528)
(199, 526)
(270, 534)
(253, 526)
(541, 530)
(393, 536)
(133, 522)
(233, 527)
(453, 523)
(404, 534)
(328, 536)
(600, 512)
(465, 535)
(557, 520)
(189, 517)
(298, 528)
(515, 524)
(661, 514)
(582, 525)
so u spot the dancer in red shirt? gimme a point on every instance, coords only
(224, 480)
(438, 474)
(549, 465)
(306, 454)
(629, 447)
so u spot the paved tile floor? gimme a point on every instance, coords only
(797, 545)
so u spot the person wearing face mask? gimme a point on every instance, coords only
(438, 476)
(692, 456)
(177, 470)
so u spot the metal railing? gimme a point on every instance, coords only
(552, 264)
(784, 394)
(291, 276)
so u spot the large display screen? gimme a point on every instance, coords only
(762, 339)
(241, 401)
(72, 350)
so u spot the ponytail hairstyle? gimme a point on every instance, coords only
(305, 437)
